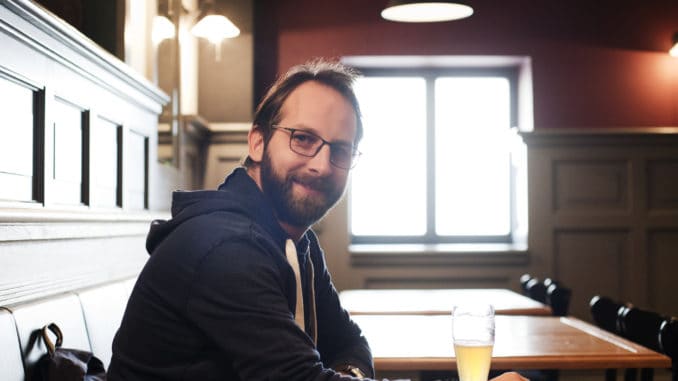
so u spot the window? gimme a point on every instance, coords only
(437, 163)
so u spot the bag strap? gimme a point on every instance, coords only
(51, 347)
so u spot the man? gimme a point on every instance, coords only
(236, 287)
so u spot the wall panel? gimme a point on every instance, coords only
(225, 152)
(591, 186)
(67, 154)
(63, 221)
(609, 223)
(662, 255)
(136, 171)
(662, 187)
(16, 140)
(578, 253)
(105, 164)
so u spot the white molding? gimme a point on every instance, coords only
(31, 231)
(64, 44)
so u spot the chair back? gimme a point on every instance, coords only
(558, 297)
(641, 326)
(605, 313)
(536, 290)
(668, 340)
(524, 279)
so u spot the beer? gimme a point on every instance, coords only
(473, 360)
(473, 337)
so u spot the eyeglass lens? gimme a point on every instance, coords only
(308, 144)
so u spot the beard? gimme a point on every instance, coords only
(300, 211)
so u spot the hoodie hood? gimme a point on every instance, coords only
(238, 194)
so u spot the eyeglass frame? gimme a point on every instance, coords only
(355, 153)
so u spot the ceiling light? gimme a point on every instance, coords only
(425, 11)
(674, 50)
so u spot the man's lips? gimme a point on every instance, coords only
(312, 186)
(309, 188)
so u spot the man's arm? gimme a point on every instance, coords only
(509, 376)
(238, 300)
(340, 340)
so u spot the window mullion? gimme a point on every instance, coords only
(430, 160)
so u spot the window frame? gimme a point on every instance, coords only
(429, 74)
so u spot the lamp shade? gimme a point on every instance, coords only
(162, 29)
(215, 28)
(425, 11)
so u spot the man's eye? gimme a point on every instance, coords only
(303, 138)
(341, 151)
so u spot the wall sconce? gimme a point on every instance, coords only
(210, 25)
(162, 29)
(213, 26)
(425, 11)
(674, 50)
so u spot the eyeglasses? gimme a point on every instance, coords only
(308, 144)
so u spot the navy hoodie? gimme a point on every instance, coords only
(216, 299)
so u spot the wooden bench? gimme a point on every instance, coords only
(88, 318)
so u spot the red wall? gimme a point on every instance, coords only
(595, 63)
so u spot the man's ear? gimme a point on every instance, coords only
(255, 141)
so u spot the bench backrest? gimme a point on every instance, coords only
(11, 368)
(103, 308)
(88, 319)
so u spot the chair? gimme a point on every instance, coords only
(558, 297)
(644, 328)
(647, 328)
(536, 290)
(524, 279)
(605, 314)
(668, 340)
(549, 292)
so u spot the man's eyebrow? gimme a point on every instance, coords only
(305, 128)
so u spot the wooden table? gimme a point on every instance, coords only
(437, 301)
(424, 343)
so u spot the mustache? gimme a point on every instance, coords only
(322, 184)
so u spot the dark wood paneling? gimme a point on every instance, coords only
(591, 185)
(607, 222)
(662, 255)
(662, 186)
(585, 252)
(436, 283)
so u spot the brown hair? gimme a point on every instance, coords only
(333, 74)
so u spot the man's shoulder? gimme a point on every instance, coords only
(223, 230)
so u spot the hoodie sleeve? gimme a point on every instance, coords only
(340, 340)
(238, 299)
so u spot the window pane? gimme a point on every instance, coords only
(472, 183)
(388, 190)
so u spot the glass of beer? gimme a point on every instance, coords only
(473, 337)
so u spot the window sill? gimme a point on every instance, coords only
(438, 254)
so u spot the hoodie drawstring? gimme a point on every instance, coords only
(291, 254)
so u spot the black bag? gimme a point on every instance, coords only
(62, 364)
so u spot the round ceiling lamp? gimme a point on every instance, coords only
(425, 11)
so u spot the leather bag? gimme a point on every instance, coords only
(65, 364)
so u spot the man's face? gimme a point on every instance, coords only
(301, 188)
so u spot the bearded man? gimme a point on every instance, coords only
(236, 287)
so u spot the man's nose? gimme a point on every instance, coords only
(320, 163)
